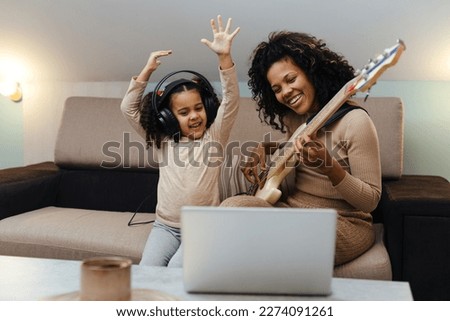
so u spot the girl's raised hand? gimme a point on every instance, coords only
(153, 61)
(221, 44)
(152, 64)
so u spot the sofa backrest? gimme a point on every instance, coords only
(387, 115)
(94, 134)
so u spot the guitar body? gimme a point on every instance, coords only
(270, 191)
(283, 160)
(281, 163)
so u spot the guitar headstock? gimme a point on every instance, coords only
(372, 71)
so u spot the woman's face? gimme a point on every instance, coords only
(291, 86)
(187, 107)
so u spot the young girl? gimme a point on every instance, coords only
(180, 127)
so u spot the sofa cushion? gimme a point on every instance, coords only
(83, 142)
(73, 234)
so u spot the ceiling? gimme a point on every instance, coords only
(110, 40)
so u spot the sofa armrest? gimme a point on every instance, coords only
(416, 216)
(27, 188)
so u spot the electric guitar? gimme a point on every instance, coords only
(282, 162)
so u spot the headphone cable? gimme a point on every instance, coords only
(131, 223)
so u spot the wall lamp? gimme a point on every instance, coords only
(12, 90)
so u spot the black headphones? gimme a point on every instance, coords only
(166, 118)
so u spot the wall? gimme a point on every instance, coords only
(11, 133)
(426, 117)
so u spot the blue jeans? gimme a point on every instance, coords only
(163, 247)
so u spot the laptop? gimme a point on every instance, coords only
(258, 250)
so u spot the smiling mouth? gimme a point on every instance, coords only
(195, 126)
(292, 101)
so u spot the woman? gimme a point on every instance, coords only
(292, 77)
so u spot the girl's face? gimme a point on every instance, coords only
(187, 107)
(292, 87)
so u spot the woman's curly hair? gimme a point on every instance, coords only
(154, 131)
(328, 71)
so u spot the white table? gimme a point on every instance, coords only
(29, 279)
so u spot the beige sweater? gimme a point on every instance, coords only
(189, 170)
(353, 141)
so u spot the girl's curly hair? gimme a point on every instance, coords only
(328, 71)
(154, 131)
(149, 122)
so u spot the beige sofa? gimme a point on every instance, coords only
(79, 205)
